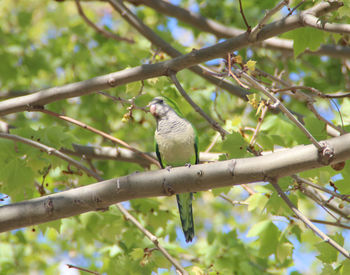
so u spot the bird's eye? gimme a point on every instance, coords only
(161, 101)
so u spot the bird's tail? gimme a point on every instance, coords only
(184, 202)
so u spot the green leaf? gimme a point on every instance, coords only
(17, 179)
(328, 254)
(133, 88)
(256, 201)
(316, 127)
(328, 270)
(235, 145)
(217, 191)
(345, 268)
(137, 254)
(284, 250)
(307, 38)
(268, 236)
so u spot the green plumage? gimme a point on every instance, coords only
(176, 145)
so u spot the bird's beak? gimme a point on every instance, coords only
(152, 109)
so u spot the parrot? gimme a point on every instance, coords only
(176, 144)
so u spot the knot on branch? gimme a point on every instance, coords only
(167, 188)
(326, 154)
(30, 107)
(48, 205)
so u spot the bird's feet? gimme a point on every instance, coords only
(188, 165)
(168, 168)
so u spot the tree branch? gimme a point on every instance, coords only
(123, 154)
(317, 23)
(222, 31)
(103, 134)
(307, 222)
(51, 151)
(156, 40)
(255, 84)
(146, 71)
(103, 32)
(215, 125)
(49, 206)
(163, 182)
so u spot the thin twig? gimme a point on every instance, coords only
(215, 125)
(312, 108)
(234, 203)
(279, 104)
(229, 65)
(294, 9)
(267, 16)
(257, 128)
(105, 33)
(337, 224)
(153, 238)
(314, 91)
(305, 181)
(103, 134)
(51, 151)
(244, 19)
(213, 142)
(248, 189)
(307, 222)
(324, 201)
(83, 269)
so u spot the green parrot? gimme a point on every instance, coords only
(176, 144)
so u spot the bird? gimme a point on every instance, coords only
(176, 144)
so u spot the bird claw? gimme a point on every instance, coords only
(168, 168)
(188, 165)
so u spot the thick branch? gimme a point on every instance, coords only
(222, 31)
(171, 51)
(317, 23)
(165, 182)
(154, 70)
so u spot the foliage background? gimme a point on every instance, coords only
(46, 44)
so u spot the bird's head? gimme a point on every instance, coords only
(159, 107)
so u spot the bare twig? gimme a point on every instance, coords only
(234, 203)
(83, 269)
(258, 125)
(213, 142)
(51, 151)
(312, 108)
(336, 224)
(267, 16)
(255, 84)
(215, 125)
(307, 222)
(314, 91)
(295, 8)
(105, 33)
(319, 187)
(324, 201)
(103, 134)
(229, 66)
(243, 16)
(152, 238)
